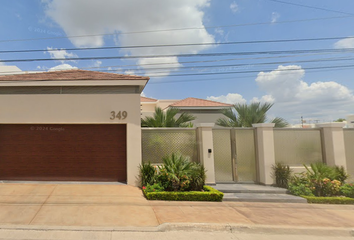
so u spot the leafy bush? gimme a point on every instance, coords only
(153, 188)
(300, 189)
(197, 178)
(347, 190)
(147, 174)
(324, 180)
(282, 174)
(209, 194)
(329, 200)
(340, 174)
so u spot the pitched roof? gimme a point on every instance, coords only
(196, 102)
(145, 99)
(67, 75)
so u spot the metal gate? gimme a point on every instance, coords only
(234, 154)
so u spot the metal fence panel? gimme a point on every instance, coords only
(222, 155)
(349, 151)
(245, 155)
(158, 143)
(297, 146)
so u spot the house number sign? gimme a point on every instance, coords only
(121, 115)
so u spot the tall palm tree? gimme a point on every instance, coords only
(243, 115)
(167, 119)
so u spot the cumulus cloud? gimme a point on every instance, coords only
(62, 67)
(231, 98)
(60, 54)
(294, 97)
(234, 7)
(79, 17)
(345, 43)
(275, 17)
(142, 94)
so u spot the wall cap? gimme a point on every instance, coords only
(211, 125)
(263, 125)
(331, 125)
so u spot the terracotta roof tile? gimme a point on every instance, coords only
(67, 75)
(196, 102)
(145, 99)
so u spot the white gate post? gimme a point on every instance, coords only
(265, 152)
(206, 150)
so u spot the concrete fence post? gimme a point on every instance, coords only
(265, 152)
(206, 150)
(333, 144)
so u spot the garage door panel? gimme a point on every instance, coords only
(63, 152)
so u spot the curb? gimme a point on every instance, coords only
(199, 227)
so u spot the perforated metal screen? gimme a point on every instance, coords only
(158, 143)
(222, 155)
(297, 146)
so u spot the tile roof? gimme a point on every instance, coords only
(196, 102)
(68, 75)
(145, 99)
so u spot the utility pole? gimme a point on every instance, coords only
(302, 122)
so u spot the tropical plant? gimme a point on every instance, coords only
(243, 115)
(179, 169)
(281, 174)
(147, 174)
(168, 119)
(197, 178)
(153, 188)
(348, 190)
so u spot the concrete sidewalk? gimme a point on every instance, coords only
(75, 205)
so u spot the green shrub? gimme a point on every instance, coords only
(164, 180)
(300, 189)
(347, 190)
(209, 194)
(197, 178)
(330, 188)
(329, 200)
(153, 188)
(147, 174)
(340, 174)
(282, 174)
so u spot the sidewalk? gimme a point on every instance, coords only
(117, 206)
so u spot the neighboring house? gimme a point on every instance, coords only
(350, 121)
(205, 111)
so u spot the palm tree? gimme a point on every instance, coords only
(247, 115)
(167, 119)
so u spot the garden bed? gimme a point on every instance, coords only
(209, 194)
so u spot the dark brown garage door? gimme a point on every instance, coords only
(63, 152)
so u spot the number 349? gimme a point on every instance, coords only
(120, 115)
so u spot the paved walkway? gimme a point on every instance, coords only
(124, 206)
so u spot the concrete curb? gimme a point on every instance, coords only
(201, 227)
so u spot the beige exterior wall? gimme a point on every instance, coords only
(79, 109)
(165, 103)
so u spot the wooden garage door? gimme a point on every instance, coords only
(63, 152)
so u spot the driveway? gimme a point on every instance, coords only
(74, 205)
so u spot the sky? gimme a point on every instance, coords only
(230, 51)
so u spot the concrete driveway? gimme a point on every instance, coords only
(74, 205)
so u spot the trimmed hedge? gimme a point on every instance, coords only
(329, 200)
(210, 194)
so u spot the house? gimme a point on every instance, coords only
(70, 125)
(205, 111)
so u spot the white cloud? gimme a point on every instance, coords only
(345, 43)
(234, 7)
(62, 67)
(231, 98)
(142, 94)
(294, 97)
(60, 54)
(275, 17)
(79, 17)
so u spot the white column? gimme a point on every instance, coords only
(206, 150)
(265, 152)
(333, 143)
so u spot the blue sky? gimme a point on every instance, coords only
(318, 94)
